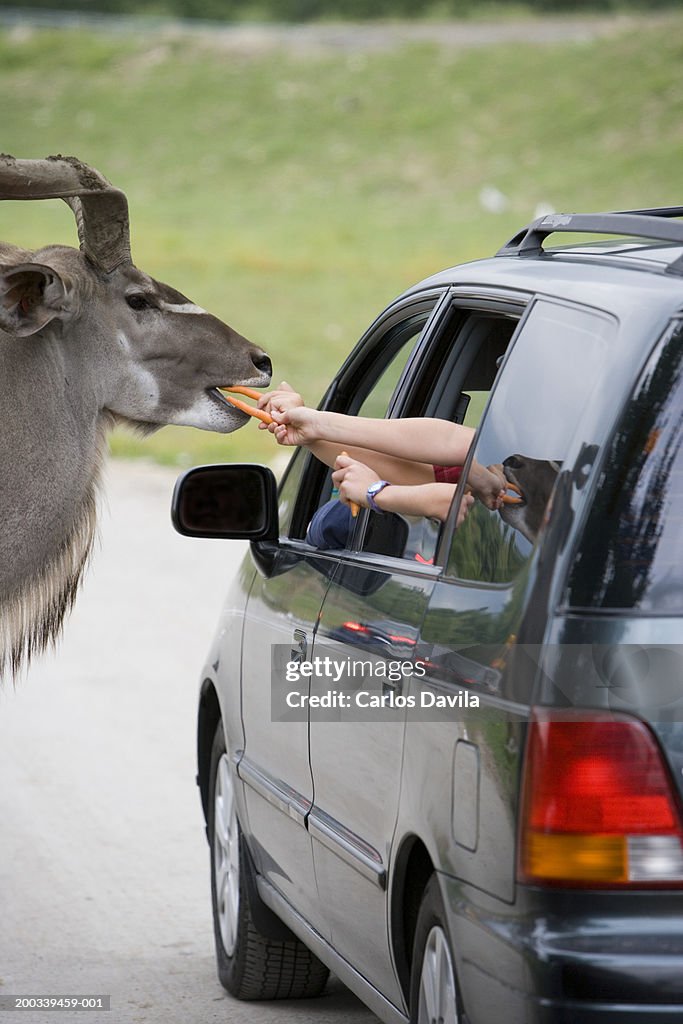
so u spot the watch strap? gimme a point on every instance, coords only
(372, 492)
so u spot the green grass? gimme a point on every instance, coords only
(294, 197)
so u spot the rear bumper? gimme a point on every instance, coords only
(562, 957)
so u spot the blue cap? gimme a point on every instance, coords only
(331, 526)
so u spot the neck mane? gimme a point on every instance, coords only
(32, 615)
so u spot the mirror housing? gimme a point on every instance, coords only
(233, 501)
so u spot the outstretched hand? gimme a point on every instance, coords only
(352, 479)
(295, 426)
(293, 423)
(279, 400)
(487, 484)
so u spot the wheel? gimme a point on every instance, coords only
(250, 964)
(434, 995)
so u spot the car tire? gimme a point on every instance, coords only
(250, 965)
(434, 996)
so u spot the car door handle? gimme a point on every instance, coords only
(299, 646)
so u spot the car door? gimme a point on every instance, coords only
(280, 621)
(370, 622)
(461, 766)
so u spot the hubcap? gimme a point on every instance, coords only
(226, 856)
(436, 1004)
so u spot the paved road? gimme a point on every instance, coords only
(103, 864)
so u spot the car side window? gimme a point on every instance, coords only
(554, 368)
(376, 402)
(288, 489)
(364, 387)
(453, 384)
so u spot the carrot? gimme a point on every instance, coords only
(243, 406)
(353, 505)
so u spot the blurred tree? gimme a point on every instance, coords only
(307, 10)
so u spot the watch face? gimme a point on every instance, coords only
(375, 488)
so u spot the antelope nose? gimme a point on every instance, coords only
(262, 363)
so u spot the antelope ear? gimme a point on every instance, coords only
(31, 295)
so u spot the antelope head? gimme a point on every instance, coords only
(87, 339)
(158, 357)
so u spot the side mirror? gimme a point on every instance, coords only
(231, 501)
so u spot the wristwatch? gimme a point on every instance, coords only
(373, 491)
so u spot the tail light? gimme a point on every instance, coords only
(598, 804)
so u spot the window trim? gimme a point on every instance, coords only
(469, 300)
(383, 563)
(342, 394)
(359, 362)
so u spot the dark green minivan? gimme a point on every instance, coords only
(447, 764)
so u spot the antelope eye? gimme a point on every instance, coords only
(138, 301)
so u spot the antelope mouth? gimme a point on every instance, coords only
(217, 396)
(244, 407)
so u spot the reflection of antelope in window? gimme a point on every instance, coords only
(534, 480)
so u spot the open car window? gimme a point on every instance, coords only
(453, 383)
(459, 358)
(365, 386)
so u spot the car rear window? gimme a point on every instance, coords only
(631, 554)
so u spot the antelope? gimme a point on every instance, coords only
(534, 479)
(87, 341)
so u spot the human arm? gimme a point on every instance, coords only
(487, 484)
(385, 467)
(281, 398)
(418, 439)
(401, 470)
(352, 478)
(400, 450)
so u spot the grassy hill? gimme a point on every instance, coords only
(296, 195)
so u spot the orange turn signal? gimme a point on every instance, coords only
(587, 858)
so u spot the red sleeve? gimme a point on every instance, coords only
(447, 474)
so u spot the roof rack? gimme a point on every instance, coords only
(637, 223)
